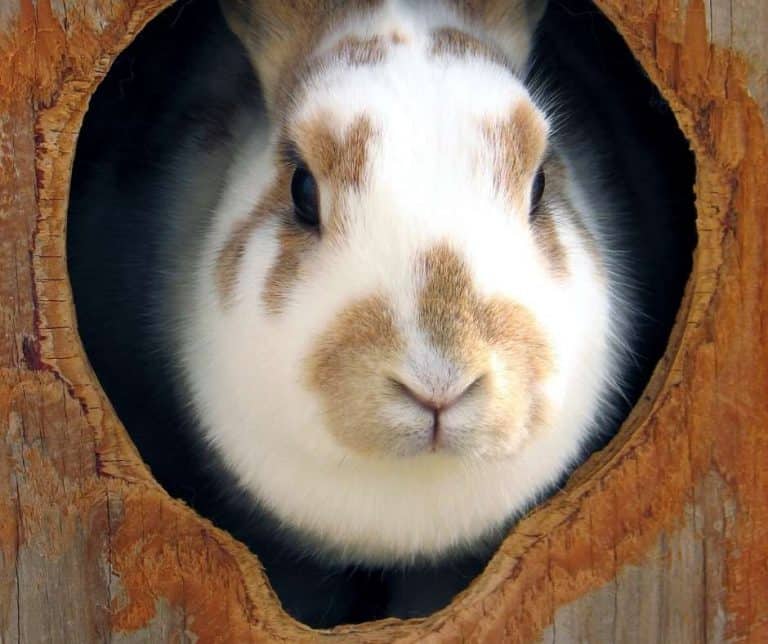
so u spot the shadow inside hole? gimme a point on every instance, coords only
(185, 74)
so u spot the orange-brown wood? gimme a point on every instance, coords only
(659, 538)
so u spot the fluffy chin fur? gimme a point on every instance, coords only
(245, 366)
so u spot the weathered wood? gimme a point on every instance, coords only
(659, 538)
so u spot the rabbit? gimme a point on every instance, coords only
(387, 285)
(399, 323)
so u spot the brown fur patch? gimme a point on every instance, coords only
(348, 370)
(454, 316)
(469, 330)
(449, 41)
(340, 163)
(544, 225)
(354, 51)
(546, 236)
(517, 143)
(398, 38)
(447, 305)
(295, 243)
(230, 256)
(349, 51)
(276, 200)
(495, 339)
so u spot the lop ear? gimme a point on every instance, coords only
(511, 23)
(277, 34)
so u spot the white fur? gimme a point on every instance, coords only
(244, 365)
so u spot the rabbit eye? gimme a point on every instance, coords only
(305, 200)
(537, 191)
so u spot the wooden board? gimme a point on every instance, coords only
(660, 538)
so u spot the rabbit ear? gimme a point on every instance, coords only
(277, 35)
(497, 12)
(510, 23)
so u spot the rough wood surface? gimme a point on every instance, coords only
(660, 538)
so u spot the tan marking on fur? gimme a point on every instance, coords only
(229, 258)
(446, 307)
(455, 43)
(295, 243)
(544, 224)
(527, 360)
(399, 38)
(517, 144)
(469, 330)
(348, 369)
(548, 240)
(275, 200)
(493, 338)
(340, 164)
(355, 51)
(349, 51)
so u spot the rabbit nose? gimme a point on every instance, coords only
(436, 402)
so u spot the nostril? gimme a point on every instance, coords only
(473, 386)
(423, 400)
(437, 402)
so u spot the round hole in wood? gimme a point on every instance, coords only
(574, 544)
(172, 96)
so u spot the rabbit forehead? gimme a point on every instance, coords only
(412, 141)
(425, 97)
(403, 169)
(420, 116)
(449, 75)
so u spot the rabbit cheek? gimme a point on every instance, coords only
(522, 361)
(347, 371)
(274, 203)
(548, 240)
(294, 243)
(554, 208)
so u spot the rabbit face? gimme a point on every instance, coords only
(400, 371)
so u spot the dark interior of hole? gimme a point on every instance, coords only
(184, 72)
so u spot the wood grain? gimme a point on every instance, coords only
(659, 538)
